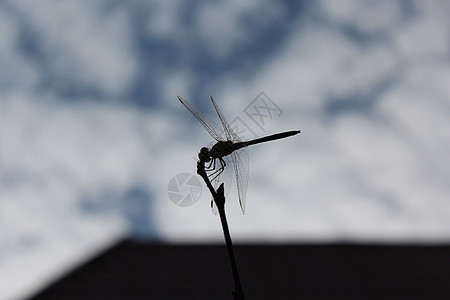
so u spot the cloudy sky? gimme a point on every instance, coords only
(91, 131)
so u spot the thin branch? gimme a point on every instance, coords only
(219, 199)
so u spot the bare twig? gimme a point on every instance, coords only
(219, 199)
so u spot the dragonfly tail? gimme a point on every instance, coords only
(268, 138)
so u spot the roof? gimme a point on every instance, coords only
(134, 270)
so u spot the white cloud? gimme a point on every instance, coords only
(425, 35)
(226, 25)
(83, 43)
(54, 155)
(367, 16)
(16, 71)
(164, 20)
(363, 170)
(97, 147)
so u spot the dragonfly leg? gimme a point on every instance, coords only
(211, 165)
(219, 170)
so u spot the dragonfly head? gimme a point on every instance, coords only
(203, 155)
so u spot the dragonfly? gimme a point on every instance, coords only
(230, 145)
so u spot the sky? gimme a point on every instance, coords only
(92, 132)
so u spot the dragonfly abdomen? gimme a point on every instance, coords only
(272, 137)
(268, 138)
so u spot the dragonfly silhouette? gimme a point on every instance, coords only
(231, 145)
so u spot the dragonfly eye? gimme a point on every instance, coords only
(203, 155)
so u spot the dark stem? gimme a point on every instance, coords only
(219, 199)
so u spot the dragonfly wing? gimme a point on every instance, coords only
(229, 133)
(241, 168)
(213, 129)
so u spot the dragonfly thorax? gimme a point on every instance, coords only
(221, 149)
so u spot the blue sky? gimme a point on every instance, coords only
(92, 132)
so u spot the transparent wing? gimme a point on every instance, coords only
(229, 133)
(213, 129)
(240, 160)
(226, 177)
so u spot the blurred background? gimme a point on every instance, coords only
(92, 134)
